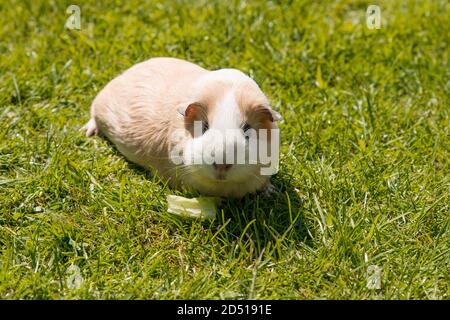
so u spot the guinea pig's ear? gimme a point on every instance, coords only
(273, 115)
(189, 110)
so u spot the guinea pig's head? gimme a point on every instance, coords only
(232, 147)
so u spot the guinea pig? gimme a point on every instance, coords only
(163, 113)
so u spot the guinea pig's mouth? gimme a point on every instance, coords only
(232, 175)
(218, 178)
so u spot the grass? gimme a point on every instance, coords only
(364, 178)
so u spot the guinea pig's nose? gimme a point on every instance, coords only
(222, 167)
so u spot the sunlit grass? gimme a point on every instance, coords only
(364, 173)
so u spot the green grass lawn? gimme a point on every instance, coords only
(364, 172)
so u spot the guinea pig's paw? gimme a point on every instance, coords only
(91, 128)
(269, 189)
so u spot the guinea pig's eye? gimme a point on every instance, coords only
(205, 126)
(245, 127)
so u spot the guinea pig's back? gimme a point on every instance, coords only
(138, 109)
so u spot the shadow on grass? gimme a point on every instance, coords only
(274, 219)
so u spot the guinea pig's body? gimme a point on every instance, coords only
(151, 107)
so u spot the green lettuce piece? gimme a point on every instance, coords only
(201, 207)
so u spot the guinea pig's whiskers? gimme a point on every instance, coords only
(182, 170)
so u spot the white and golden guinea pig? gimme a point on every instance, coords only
(152, 113)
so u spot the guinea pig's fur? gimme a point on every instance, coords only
(141, 110)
